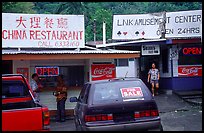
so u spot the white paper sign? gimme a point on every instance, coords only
(148, 26)
(184, 24)
(42, 30)
(150, 50)
(135, 26)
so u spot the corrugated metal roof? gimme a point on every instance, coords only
(110, 51)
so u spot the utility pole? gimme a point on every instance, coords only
(104, 32)
(94, 31)
(163, 26)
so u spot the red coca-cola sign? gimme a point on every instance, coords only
(189, 71)
(103, 71)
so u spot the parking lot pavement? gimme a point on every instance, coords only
(177, 114)
(68, 125)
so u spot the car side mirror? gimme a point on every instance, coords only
(73, 99)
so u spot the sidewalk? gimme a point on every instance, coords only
(192, 97)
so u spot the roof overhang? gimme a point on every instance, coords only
(132, 43)
(65, 54)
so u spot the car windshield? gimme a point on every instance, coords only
(119, 91)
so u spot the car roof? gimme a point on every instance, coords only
(114, 80)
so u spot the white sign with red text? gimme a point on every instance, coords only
(42, 31)
(131, 92)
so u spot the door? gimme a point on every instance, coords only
(145, 65)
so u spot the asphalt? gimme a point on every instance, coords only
(177, 113)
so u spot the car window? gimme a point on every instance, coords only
(86, 93)
(82, 93)
(12, 89)
(119, 91)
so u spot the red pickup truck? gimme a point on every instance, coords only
(20, 111)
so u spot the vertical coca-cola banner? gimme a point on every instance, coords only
(189, 71)
(102, 71)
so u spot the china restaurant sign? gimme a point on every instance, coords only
(103, 71)
(42, 31)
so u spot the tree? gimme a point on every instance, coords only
(100, 15)
(18, 7)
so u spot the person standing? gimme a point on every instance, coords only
(34, 86)
(61, 97)
(153, 78)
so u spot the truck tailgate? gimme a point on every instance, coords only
(22, 119)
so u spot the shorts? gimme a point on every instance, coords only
(154, 81)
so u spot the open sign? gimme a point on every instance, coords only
(131, 92)
(47, 71)
(192, 51)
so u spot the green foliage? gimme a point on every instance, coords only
(18, 7)
(98, 10)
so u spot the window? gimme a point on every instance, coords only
(12, 89)
(190, 55)
(110, 92)
(121, 62)
(83, 97)
(82, 93)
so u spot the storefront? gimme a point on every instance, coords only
(184, 65)
(55, 44)
(177, 54)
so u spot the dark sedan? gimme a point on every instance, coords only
(117, 104)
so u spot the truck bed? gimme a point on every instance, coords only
(20, 105)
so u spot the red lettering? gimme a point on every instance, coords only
(45, 71)
(3, 34)
(32, 35)
(81, 33)
(37, 34)
(43, 33)
(55, 71)
(193, 51)
(39, 71)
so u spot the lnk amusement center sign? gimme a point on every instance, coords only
(149, 26)
(42, 30)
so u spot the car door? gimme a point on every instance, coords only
(82, 104)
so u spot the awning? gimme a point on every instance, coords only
(134, 43)
(8, 54)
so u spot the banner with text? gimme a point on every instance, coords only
(103, 71)
(42, 31)
(189, 71)
(149, 26)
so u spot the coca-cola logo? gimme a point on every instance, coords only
(100, 72)
(188, 71)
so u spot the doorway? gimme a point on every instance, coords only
(145, 65)
(73, 75)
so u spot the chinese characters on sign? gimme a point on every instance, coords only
(42, 30)
(103, 71)
(189, 71)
